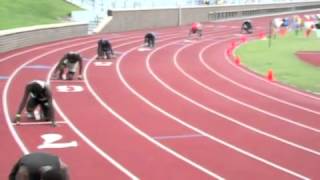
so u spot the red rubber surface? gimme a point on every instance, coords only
(183, 110)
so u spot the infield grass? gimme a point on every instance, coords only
(280, 57)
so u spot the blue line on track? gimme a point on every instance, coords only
(178, 137)
(4, 77)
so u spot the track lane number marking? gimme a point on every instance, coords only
(50, 141)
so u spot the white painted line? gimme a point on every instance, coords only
(36, 123)
(38, 66)
(278, 85)
(92, 145)
(256, 92)
(54, 141)
(34, 49)
(236, 101)
(6, 89)
(140, 132)
(199, 131)
(7, 85)
(266, 81)
(188, 41)
(69, 88)
(16, 137)
(66, 81)
(102, 63)
(49, 45)
(83, 136)
(142, 49)
(118, 52)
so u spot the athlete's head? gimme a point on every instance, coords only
(36, 88)
(73, 53)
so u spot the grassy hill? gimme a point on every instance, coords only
(20, 13)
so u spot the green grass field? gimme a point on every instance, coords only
(21, 13)
(281, 58)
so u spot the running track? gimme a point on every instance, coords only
(183, 110)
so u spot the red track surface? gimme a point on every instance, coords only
(181, 111)
(310, 57)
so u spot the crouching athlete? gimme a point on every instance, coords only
(37, 93)
(196, 28)
(69, 61)
(247, 27)
(39, 166)
(149, 39)
(104, 49)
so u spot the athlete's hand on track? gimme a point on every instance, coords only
(54, 77)
(53, 123)
(17, 118)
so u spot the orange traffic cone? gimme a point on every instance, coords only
(262, 36)
(233, 44)
(283, 32)
(308, 32)
(229, 51)
(243, 39)
(237, 60)
(270, 75)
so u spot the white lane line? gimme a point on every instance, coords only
(242, 103)
(137, 130)
(83, 136)
(92, 145)
(278, 85)
(101, 152)
(207, 66)
(45, 46)
(199, 130)
(258, 92)
(5, 100)
(95, 38)
(36, 123)
(15, 135)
